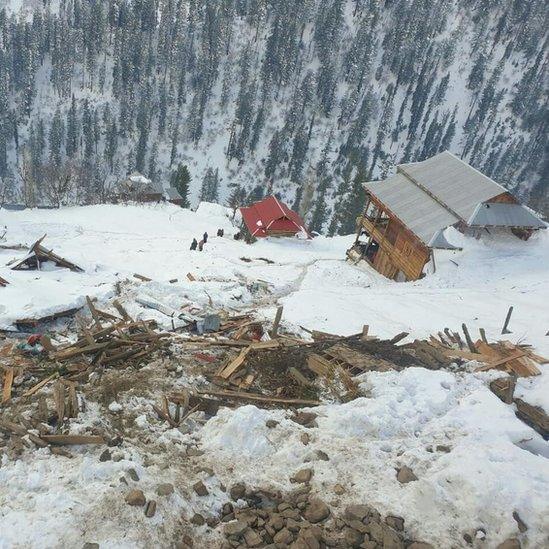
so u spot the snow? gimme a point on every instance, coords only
(496, 464)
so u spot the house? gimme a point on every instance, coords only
(138, 188)
(271, 217)
(406, 214)
(172, 195)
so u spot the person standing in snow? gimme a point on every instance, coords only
(194, 244)
(205, 237)
(220, 232)
(200, 245)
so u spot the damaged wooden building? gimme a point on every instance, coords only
(405, 215)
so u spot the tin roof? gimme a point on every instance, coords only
(504, 215)
(452, 182)
(423, 215)
(173, 194)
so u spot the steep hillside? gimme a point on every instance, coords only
(304, 98)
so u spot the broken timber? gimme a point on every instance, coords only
(38, 255)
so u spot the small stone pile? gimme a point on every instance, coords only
(300, 520)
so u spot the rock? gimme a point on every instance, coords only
(166, 489)
(405, 475)
(358, 526)
(520, 523)
(212, 522)
(90, 545)
(306, 419)
(283, 506)
(339, 489)
(227, 508)
(376, 531)
(200, 489)
(391, 539)
(238, 491)
(135, 497)
(395, 522)
(198, 519)
(133, 474)
(302, 476)
(271, 423)
(290, 514)
(317, 511)
(293, 525)
(116, 441)
(235, 528)
(105, 455)
(252, 538)
(117, 456)
(420, 545)
(357, 512)
(309, 538)
(150, 508)
(305, 438)
(443, 448)
(283, 536)
(352, 538)
(370, 545)
(276, 522)
(208, 470)
(511, 543)
(322, 455)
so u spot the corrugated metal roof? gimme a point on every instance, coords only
(423, 215)
(453, 182)
(173, 194)
(504, 215)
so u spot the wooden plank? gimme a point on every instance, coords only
(93, 311)
(190, 277)
(121, 310)
(299, 377)
(235, 364)
(261, 398)
(142, 278)
(468, 339)
(276, 323)
(41, 384)
(501, 361)
(483, 335)
(504, 330)
(399, 337)
(8, 383)
(65, 440)
(319, 365)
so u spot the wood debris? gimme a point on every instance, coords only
(38, 254)
(3, 282)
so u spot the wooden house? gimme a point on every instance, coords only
(271, 217)
(405, 215)
(138, 188)
(172, 195)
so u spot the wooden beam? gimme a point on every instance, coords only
(468, 339)
(8, 383)
(278, 316)
(506, 323)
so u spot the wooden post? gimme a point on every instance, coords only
(483, 335)
(468, 339)
(434, 264)
(278, 316)
(506, 323)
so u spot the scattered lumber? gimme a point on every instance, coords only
(260, 398)
(24, 324)
(8, 383)
(38, 254)
(3, 282)
(62, 440)
(278, 316)
(142, 278)
(504, 330)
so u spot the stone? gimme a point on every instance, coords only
(290, 514)
(133, 474)
(305, 418)
(395, 522)
(322, 455)
(511, 543)
(357, 512)
(317, 511)
(165, 489)
(90, 545)
(135, 497)
(339, 489)
(252, 538)
(369, 544)
(443, 448)
(235, 528)
(520, 523)
(212, 522)
(293, 525)
(305, 438)
(200, 489)
(276, 522)
(309, 539)
(198, 519)
(227, 508)
(208, 470)
(283, 536)
(352, 538)
(283, 506)
(228, 518)
(302, 476)
(105, 455)
(376, 531)
(391, 539)
(271, 423)
(420, 545)
(358, 526)
(150, 508)
(405, 475)
(116, 441)
(237, 491)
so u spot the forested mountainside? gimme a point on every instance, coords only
(304, 98)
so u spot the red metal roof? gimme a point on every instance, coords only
(271, 215)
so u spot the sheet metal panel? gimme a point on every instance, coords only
(505, 215)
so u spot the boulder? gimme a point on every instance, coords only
(352, 538)
(150, 508)
(200, 489)
(135, 497)
(283, 536)
(235, 528)
(302, 476)
(391, 539)
(317, 511)
(511, 543)
(357, 512)
(198, 519)
(252, 538)
(237, 491)
(405, 475)
(165, 489)
(396, 523)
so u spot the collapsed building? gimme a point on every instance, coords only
(405, 215)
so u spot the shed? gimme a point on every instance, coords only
(172, 195)
(271, 217)
(406, 214)
(139, 188)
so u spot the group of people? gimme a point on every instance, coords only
(200, 245)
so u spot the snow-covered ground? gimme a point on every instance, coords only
(496, 464)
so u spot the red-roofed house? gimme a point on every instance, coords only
(271, 217)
